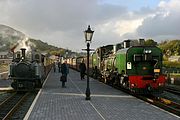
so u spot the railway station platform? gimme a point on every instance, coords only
(5, 85)
(56, 103)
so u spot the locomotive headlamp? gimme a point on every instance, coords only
(161, 84)
(88, 34)
(144, 68)
(147, 51)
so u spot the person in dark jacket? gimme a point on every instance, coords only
(82, 68)
(65, 72)
(54, 66)
(59, 66)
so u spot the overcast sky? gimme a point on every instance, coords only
(61, 22)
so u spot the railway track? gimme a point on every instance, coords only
(172, 90)
(160, 102)
(163, 103)
(9, 106)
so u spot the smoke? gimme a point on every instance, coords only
(24, 43)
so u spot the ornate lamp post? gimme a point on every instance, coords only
(88, 37)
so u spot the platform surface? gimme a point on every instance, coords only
(5, 85)
(56, 103)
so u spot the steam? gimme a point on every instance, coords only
(24, 43)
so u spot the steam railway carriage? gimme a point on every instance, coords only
(27, 71)
(137, 68)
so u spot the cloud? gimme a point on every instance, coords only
(62, 22)
(57, 22)
(164, 23)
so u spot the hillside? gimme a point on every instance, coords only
(9, 37)
(42, 46)
(170, 48)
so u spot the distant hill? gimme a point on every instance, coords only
(9, 36)
(170, 48)
(42, 46)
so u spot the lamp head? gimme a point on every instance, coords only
(88, 34)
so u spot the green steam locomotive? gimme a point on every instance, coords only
(137, 68)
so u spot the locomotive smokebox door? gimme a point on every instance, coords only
(129, 65)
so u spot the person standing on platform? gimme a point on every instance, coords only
(54, 66)
(82, 68)
(59, 66)
(64, 71)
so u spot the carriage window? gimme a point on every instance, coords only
(137, 57)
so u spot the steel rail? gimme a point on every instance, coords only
(163, 103)
(174, 91)
(7, 99)
(14, 109)
(10, 105)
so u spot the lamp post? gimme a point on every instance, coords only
(88, 37)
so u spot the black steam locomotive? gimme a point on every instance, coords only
(28, 71)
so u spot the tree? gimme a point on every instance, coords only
(150, 42)
(170, 48)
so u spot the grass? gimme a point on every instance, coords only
(3, 68)
(175, 75)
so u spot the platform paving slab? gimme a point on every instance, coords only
(57, 103)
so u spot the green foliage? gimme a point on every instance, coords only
(150, 42)
(170, 48)
(42, 46)
(59, 52)
(5, 44)
(3, 67)
(9, 37)
(171, 64)
(48, 48)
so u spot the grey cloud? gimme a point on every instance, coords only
(48, 14)
(62, 22)
(160, 25)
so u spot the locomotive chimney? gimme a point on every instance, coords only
(23, 52)
(127, 43)
(141, 42)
